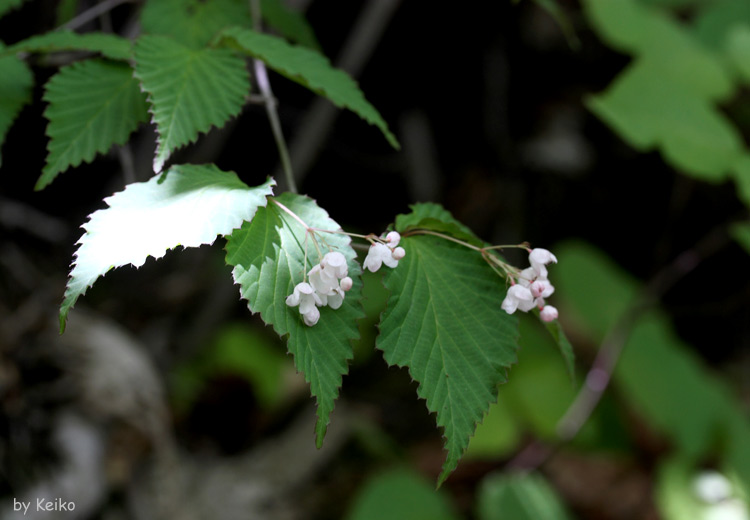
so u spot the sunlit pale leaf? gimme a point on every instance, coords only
(188, 206)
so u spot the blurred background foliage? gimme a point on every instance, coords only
(612, 132)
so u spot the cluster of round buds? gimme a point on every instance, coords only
(329, 281)
(532, 287)
(386, 252)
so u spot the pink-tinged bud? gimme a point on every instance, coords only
(346, 283)
(542, 289)
(549, 313)
(399, 253)
(393, 238)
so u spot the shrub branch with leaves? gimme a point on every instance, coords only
(449, 318)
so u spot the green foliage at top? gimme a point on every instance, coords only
(400, 495)
(9, 5)
(268, 255)
(290, 24)
(189, 90)
(15, 91)
(656, 371)
(108, 45)
(193, 23)
(666, 98)
(520, 497)
(444, 323)
(93, 104)
(187, 206)
(714, 21)
(310, 69)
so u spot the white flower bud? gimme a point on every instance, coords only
(346, 283)
(393, 238)
(311, 317)
(336, 298)
(321, 280)
(377, 254)
(549, 313)
(335, 262)
(518, 297)
(398, 253)
(539, 258)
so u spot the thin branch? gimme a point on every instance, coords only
(261, 77)
(292, 213)
(89, 14)
(600, 374)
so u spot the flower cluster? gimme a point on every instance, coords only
(387, 253)
(329, 281)
(532, 287)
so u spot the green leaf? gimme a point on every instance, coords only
(434, 217)
(666, 98)
(650, 111)
(93, 104)
(268, 255)
(520, 497)
(189, 90)
(15, 92)
(741, 174)
(290, 24)
(309, 69)
(8, 5)
(563, 345)
(444, 323)
(714, 20)
(738, 49)
(656, 373)
(187, 206)
(193, 23)
(109, 45)
(400, 495)
(66, 11)
(740, 232)
(650, 34)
